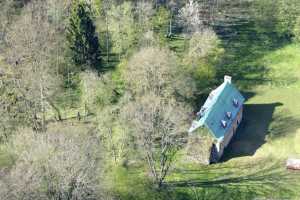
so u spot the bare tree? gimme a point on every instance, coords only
(174, 6)
(31, 47)
(196, 154)
(12, 106)
(203, 44)
(151, 70)
(155, 70)
(144, 11)
(203, 55)
(106, 7)
(159, 125)
(122, 27)
(90, 83)
(55, 165)
(4, 21)
(115, 134)
(190, 17)
(158, 121)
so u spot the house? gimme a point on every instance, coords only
(220, 117)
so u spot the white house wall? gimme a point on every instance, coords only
(229, 135)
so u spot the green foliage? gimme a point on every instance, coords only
(122, 27)
(143, 14)
(160, 23)
(287, 14)
(5, 159)
(13, 110)
(118, 82)
(155, 70)
(296, 30)
(97, 6)
(277, 15)
(255, 54)
(96, 91)
(82, 40)
(18, 4)
(115, 134)
(204, 53)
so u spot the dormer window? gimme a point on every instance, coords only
(235, 102)
(223, 123)
(228, 115)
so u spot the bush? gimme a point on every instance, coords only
(54, 166)
(203, 55)
(296, 30)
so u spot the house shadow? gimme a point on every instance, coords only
(252, 132)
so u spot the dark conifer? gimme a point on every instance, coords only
(81, 36)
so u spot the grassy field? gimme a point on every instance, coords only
(253, 166)
(254, 163)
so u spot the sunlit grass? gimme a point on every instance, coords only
(263, 174)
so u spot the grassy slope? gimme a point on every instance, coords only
(254, 163)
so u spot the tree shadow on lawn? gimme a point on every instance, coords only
(263, 178)
(245, 44)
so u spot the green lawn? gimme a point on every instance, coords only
(253, 166)
(254, 163)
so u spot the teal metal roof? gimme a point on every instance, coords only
(219, 104)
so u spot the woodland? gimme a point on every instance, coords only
(97, 96)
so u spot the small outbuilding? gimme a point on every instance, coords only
(220, 116)
(293, 164)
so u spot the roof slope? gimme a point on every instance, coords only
(220, 102)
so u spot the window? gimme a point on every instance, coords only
(235, 102)
(228, 115)
(223, 123)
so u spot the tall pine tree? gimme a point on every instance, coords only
(82, 39)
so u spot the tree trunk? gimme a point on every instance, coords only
(56, 109)
(42, 106)
(170, 27)
(107, 39)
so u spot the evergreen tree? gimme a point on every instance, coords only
(82, 40)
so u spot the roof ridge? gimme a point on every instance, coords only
(217, 104)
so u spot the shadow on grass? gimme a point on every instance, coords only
(264, 178)
(245, 44)
(259, 125)
(283, 124)
(253, 130)
(109, 64)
